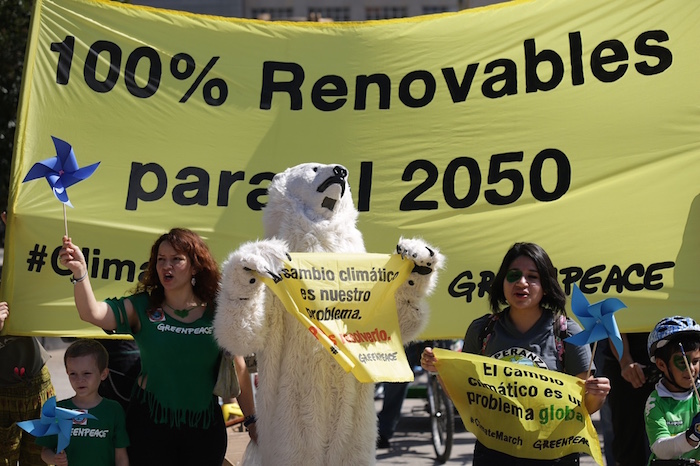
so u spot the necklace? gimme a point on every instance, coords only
(183, 313)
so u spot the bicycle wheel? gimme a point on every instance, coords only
(442, 419)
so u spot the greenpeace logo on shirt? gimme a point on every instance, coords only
(88, 432)
(521, 356)
(186, 331)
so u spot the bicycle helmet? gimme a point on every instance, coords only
(666, 329)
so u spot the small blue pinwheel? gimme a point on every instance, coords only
(54, 421)
(597, 320)
(61, 171)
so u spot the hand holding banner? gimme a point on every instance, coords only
(520, 410)
(347, 302)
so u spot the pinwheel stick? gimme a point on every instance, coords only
(590, 364)
(65, 219)
(687, 366)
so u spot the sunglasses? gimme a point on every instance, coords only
(514, 275)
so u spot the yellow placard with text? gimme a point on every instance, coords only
(347, 302)
(572, 124)
(521, 410)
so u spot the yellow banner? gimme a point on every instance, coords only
(347, 302)
(575, 125)
(518, 409)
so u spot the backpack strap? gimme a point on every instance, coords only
(560, 328)
(487, 331)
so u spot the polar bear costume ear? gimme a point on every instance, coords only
(311, 192)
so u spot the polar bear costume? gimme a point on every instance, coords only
(309, 410)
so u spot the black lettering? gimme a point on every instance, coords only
(119, 265)
(509, 78)
(589, 279)
(329, 86)
(254, 195)
(571, 276)
(136, 193)
(533, 83)
(201, 187)
(362, 84)
(365, 186)
(651, 276)
(405, 89)
(459, 288)
(614, 278)
(226, 180)
(576, 51)
(642, 47)
(487, 277)
(459, 91)
(639, 269)
(598, 61)
(291, 87)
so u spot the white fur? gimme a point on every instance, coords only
(310, 412)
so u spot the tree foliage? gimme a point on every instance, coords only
(14, 31)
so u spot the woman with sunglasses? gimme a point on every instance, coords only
(529, 320)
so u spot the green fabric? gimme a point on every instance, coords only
(93, 441)
(667, 417)
(179, 360)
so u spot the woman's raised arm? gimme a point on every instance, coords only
(90, 310)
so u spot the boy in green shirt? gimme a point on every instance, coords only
(93, 442)
(672, 413)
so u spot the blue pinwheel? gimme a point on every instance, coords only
(54, 421)
(61, 171)
(597, 320)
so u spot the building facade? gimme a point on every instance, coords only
(330, 10)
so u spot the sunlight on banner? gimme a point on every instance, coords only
(520, 410)
(202, 111)
(347, 302)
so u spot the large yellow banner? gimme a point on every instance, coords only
(575, 125)
(519, 409)
(347, 302)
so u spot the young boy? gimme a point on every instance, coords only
(93, 442)
(672, 413)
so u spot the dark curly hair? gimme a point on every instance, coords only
(554, 297)
(193, 246)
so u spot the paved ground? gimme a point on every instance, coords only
(411, 444)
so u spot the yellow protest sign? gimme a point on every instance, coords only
(570, 124)
(518, 409)
(347, 302)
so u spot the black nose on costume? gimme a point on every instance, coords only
(340, 171)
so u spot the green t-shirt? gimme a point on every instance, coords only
(668, 414)
(93, 441)
(180, 361)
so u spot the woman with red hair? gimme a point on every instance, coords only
(170, 316)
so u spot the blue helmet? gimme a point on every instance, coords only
(666, 329)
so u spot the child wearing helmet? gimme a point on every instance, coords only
(672, 413)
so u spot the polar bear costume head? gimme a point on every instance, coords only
(311, 208)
